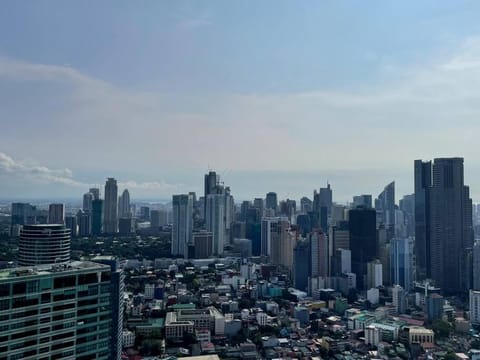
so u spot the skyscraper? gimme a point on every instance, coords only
(22, 213)
(110, 212)
(401, 262)
(320, 254)
(423, 184)
(43, 244)
(87, 201)
(385, 205)
(212, 180)
(301, 264)
(271, 201)
(117, 281)
(56, 312)
(97, 217)
(443, 224)
(124, 205)
(362, 200)
(326, 198)
(451, 235)
(215, 220)
(56, 214)
(95, 192)
(363, 241)
(182, 227)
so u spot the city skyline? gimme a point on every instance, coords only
(293, 95)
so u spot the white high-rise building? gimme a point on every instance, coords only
(56, 214)
(182, 226)
(110, 217)
(215, 220)
(124, 205)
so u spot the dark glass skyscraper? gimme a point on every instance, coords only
(423, 184)
(97, 216)
(443, 224)
(363, 241)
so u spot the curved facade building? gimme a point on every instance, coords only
(43, 244)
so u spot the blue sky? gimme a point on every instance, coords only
(275, 95)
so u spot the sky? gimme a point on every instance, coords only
(280, 96)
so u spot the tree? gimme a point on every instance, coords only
(441, 328)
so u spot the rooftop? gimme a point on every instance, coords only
(46, 269)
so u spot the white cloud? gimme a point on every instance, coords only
(35, 172)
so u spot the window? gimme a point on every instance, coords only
(19, 288)
(64, 281)
(5, 290)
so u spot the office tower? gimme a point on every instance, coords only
(337, 214)
(43, 244)
(423, 184)
(362, 200)
(97, 216)
(71, 224)
(21, 214)
(476, 266)
(374, 274)
(56, 214)
(306, 205)
(451, 232)
(303, 224)
(110, 211)
(322, 204)
(363, 241)
(407, 205)
(95, 192)
(474, 302)
(288, 208)
(271, 228)
(259, 203)
(215, 221)
(202, 244)
(117, 289)
(385, 205)
(124, 205)
(443, 220)
(56, 312)
(212, 180)
(343, 262)
(87, 201)
(229, 213)
(282, 244)
(320, 254)
(339, 236)
(182, 226)
(155, 219)
(401, 262)
(398, 299)
(325, 198)
(301, 265)
(84, 221)
(271, 201)
(145, 212)
(125, 226)
(243, 210)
